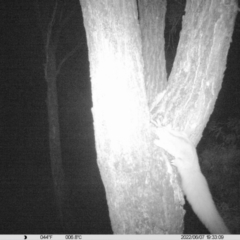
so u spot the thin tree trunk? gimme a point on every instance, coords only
(51, 28)
(54, 133)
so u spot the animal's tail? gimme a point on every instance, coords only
(202, 203)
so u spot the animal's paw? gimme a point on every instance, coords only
(175, 143)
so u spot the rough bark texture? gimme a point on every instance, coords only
(139, 187)
(152, 23)
(198, 68)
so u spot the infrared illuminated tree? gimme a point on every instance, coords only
(130, 88)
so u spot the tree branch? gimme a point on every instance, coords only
(68, 55)
(50, 25)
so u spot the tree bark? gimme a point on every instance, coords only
(152, 23)
(198, 69)
(141, 187)
(138, 185)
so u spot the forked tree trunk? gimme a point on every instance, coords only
(141, 187)
(152, 24)
(198, 69)
(51, 28)
(138, 189)
(50, 36)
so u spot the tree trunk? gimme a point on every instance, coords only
(152, 23)
(138, 189)
(51, 27)
(54, 134)
(141, 187)
(198, 69)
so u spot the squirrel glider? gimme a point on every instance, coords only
(194, 184)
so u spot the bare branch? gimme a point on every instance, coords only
(50, 25)
(62, 21)
(68, 55)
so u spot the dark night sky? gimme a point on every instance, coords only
(26, 184)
